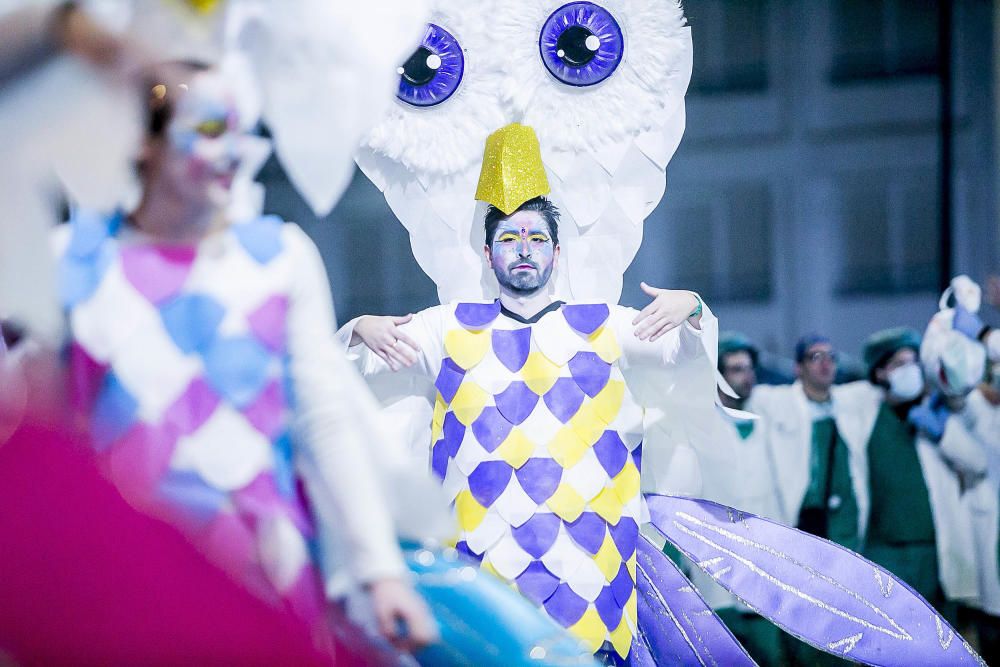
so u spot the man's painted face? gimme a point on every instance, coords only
(522, 253)
(205, 134)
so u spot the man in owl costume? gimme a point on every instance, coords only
(537, 436)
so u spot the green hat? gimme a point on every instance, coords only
(883, 344)
(734, 341)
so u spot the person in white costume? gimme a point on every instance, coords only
(916, 527)
(819, 483)
(736, 470)
(959, 351)
(160, 301)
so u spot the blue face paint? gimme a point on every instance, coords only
(522, 254)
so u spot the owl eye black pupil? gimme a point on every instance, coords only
(416, 70)
(572, 46)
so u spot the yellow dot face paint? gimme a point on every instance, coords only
(522, 253)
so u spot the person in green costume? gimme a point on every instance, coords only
(916, 528)
(819, 481)
(735, 471)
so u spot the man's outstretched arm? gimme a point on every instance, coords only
(382, 343)
(670, 329)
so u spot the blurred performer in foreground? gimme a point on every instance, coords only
(201, 350)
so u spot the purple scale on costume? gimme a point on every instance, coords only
(192, 495)
(158, 272)
(588, 531)
(267, 412)
(564, 399)
(539, 478)
(449, 379)
(439, 459)
(586, 317)
(192, 320)
(268, 322)
(490, 428)
(611, 452)
(489, 480)
(192, 408)
(536, 583)
(463, 548)
(512, 347)
(452, 434)
(261, 498)
(237, 368)
(625, 535)
(89, 231)
(637, 455)
(516, 402)
(608, 608)
(113, 414)
(261, 238)
(86, 376)
(565, 606)
(79, 278)
(537, 534)
(622, 585)
(477, 315)
(590, 372)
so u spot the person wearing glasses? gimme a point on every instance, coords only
(820, 478)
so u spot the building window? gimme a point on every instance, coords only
(889, 233)
(731, 44)
(723, 244)
(877, 39)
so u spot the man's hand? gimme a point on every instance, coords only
(403, 617)
(667, 311)
(383, 336)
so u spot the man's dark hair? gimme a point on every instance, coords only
(547, 209)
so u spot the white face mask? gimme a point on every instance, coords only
(906, 382)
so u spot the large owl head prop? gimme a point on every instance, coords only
(601, 83)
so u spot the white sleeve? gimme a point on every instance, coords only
(424, 329)
(679, 345)
(335, 423)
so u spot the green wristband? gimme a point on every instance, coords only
(697, 311)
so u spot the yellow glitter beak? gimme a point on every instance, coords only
(512, 171)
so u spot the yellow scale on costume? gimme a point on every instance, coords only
(538, 442)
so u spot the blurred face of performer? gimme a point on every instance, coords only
(739, 372)
(522, 253)
(818, 367)
(194, 158)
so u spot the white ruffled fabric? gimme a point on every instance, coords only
(605, 147)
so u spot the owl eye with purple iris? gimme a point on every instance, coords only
(581, 44)
(433, 72)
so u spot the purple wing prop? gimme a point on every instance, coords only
(676, 627)
(818, 591)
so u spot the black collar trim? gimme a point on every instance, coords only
(555, 305)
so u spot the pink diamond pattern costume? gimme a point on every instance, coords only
(187, 359)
